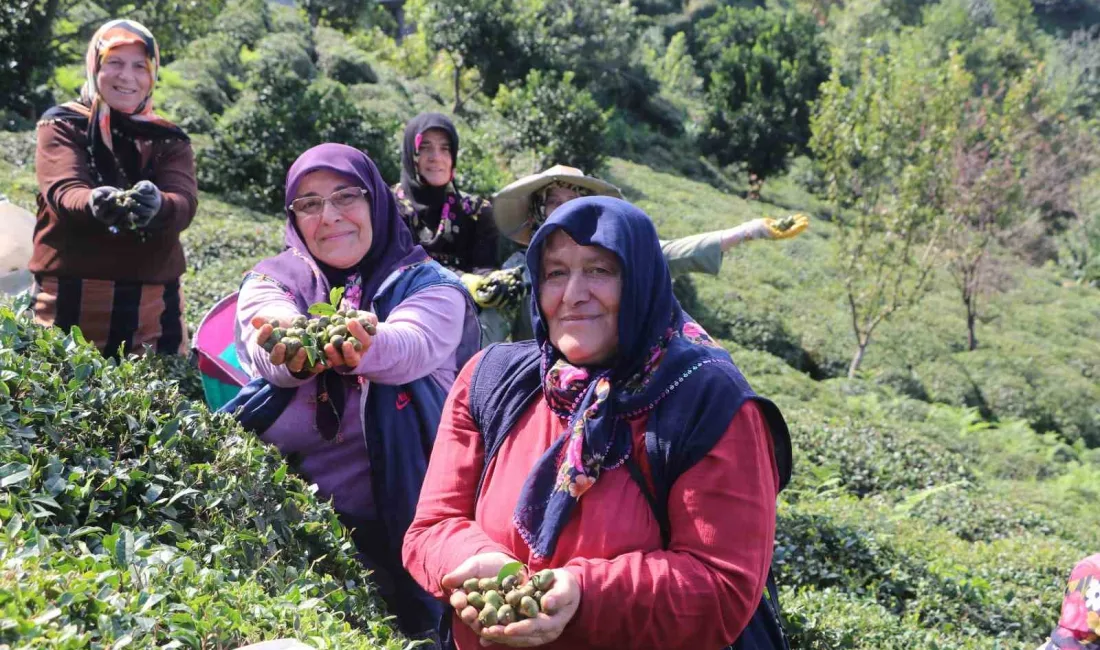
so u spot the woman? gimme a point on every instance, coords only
(116, 188)
(1079, 626)
(621, 448)
(361, 424)
(455, 228)
(523, 206)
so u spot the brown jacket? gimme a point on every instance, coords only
(69, 242)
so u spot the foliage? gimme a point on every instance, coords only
(282, 114)
(132, 516)
(1014, 166)
(881, 145)
(338, 59)
(25, 66)
(762, 71)
(559, 122)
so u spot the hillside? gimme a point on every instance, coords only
(941, 495)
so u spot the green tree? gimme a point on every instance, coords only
(284, 111)
(882, 144)
(25, 65)
(1015, 165)
(762, 70)
(555, 120)
(478, 34)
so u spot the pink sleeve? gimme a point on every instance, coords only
(261, 298)
(701, 591)
(443, 533)
(418, 337)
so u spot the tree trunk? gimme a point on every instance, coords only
(458, 89)
(971, 324)
(857, 359)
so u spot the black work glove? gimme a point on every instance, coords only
(104, 206)
(147, 199)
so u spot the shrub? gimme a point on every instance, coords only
(340, 60)
(134, 516)
(282, 115)
(559, 122)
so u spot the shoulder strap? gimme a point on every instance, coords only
(505, 382)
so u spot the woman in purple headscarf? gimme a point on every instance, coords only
(360, 426)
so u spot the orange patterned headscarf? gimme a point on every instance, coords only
(117, 33)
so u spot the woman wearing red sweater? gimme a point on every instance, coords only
(621, 448)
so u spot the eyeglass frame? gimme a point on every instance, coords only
(325, 199)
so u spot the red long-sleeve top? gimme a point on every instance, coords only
(698, 594)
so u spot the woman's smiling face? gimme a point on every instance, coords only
(124, 77)
(337, 236)
(579, 293)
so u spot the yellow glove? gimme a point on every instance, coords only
(787, 227)
(471, 281)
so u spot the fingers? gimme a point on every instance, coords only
(278, 354)
(263, 331)
(298, 362)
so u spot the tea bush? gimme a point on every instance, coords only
(131, 515)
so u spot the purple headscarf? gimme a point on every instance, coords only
(391, 246)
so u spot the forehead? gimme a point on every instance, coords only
(438, 137)
(323, 182)
(128, 52)
(562, 193)
(560, 247)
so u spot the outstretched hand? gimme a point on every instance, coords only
(787, 227)
(295, 361)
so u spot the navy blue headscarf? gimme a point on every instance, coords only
(662, 357)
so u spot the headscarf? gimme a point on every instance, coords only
(538, 200)
(120, 161)
(663, 358)
(1079, 625)
(308, 280)
(428, 200)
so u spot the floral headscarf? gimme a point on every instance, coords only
(538, 200)
(1079, 626)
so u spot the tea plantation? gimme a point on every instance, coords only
(939, 499)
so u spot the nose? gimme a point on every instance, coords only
(329, 213)
(576, 289)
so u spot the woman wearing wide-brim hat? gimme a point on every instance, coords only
(524, 205)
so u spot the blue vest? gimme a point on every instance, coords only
(508, 379)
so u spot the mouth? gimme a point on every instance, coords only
(124, 91)
(579, 319)
(338, 236)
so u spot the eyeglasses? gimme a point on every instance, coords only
(312, 206)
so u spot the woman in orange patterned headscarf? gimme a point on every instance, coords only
(116, 187)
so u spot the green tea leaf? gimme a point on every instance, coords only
(321, 309)
(124, 548)
(14, 473)
(334, 296)
(509, 569)
(280, 474)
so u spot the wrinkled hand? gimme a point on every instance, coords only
(786, 227)
(104, 206)
(277, 356)
(560, 604)
(148, 200)
(347, 355)
(483, 565)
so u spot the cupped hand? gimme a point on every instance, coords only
(278, 356)
(560, 605)
(346, 355)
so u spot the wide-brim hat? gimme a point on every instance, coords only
(512, 205)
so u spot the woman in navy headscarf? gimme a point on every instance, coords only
(360, 426)
(621, 448)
